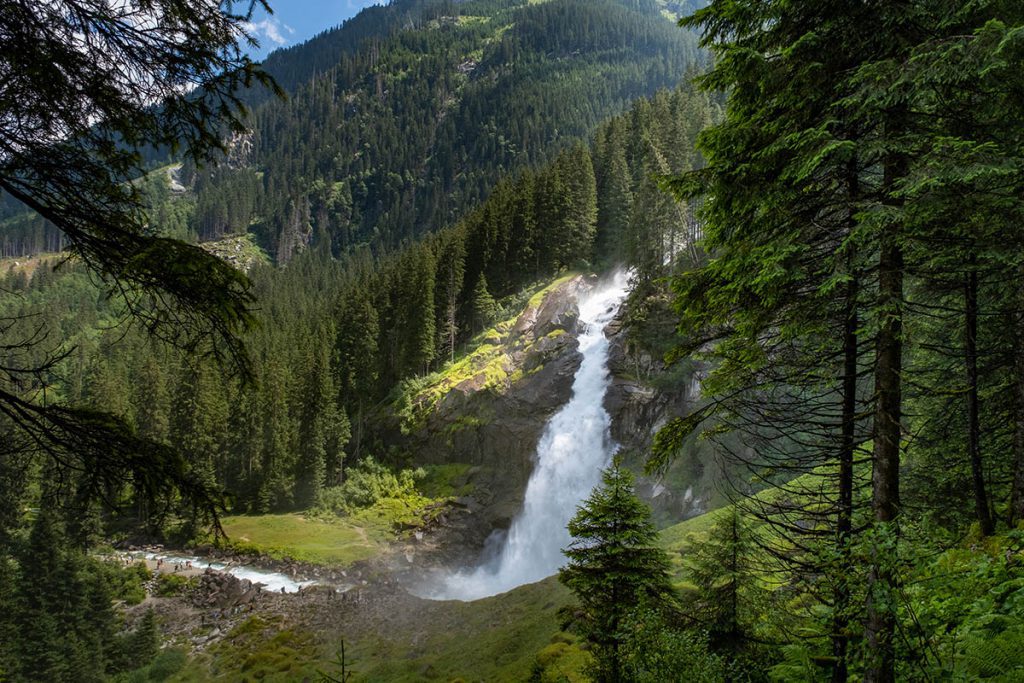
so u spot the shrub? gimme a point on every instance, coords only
(125, 583)
(169, 585)
(366, 484)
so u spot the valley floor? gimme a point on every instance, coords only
(388, 633)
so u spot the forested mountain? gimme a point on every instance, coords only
(823, 232)
(334, 342)
(425, 98)
(406, 133)
(402, 119)
(434, 165)
(336, 336)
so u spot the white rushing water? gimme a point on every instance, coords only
(271, 581)
(573, 449)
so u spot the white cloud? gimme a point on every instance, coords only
(269, 30)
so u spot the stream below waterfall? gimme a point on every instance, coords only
(270, 580)
(574, 448)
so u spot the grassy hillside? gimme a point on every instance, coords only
(495, 639)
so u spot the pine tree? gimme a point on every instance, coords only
(582, 186)
(484, 307)
(277, 485)
(614, 565)
(555, 225)
(200, 418)
(323, 431)
(85, 188)
(357, 356)
(726, 599)
(144, 642)
(9, 636)
(615, 197)
(63, 614)
(151, 399)
(788, 175)
(451, 268)
(152, 408)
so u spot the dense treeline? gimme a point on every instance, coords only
(405, 135)
(859, 305)
(23, 234)
(336, 336)
(58, 619)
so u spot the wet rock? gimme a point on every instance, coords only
(643, 396)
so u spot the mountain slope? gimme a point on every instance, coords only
(426, 106)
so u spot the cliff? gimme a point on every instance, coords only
(482, 416)
(479, 420)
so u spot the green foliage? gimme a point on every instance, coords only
(857, 262)
(563, 661)
(166, 664)
(125, 583)
(654, 651)
(446, 481)
(968, 606)
(726, 599)
(58, 619)
(613, 565)
(365, 485)
(258, 649)
(142, 644)
(85, 183)
(484, 307)
(170, 585)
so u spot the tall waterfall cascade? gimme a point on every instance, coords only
(575, 446)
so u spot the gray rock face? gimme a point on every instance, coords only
(635, 406)
(493, 419)
(640, 400)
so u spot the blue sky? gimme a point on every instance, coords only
(295, 21)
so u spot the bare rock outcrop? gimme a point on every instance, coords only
(643, 396)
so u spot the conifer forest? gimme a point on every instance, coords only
(561, 341)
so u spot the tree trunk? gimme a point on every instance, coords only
(973, 425)
(844, 517)
(885, 474)
(1016, 512)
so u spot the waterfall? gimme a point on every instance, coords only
(573, 449)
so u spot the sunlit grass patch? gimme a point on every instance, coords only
(318, 541)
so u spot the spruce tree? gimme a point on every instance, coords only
(726, 598)
(9, 636)
(90, 112)
(796, 257)
(614, 566)
(144, 642)
(615, 197)
(484, 307)
(63, 613)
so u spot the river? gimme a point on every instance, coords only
(271, 580)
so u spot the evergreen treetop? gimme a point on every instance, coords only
(614, 565)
